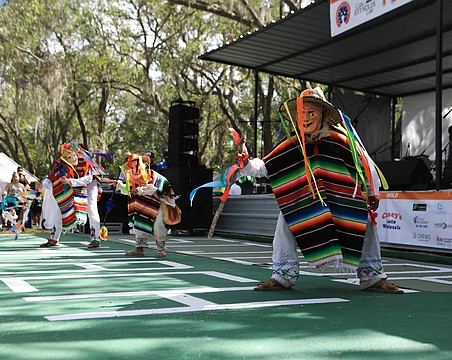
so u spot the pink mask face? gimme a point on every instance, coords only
(72, 158)
(135, 169)
(312, 115)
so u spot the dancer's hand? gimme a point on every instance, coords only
(373, 203)
(241, 158)
(66, 180)
(108, 181)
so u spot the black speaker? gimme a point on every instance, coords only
(183, 134)
(184, 180)
(406, 174)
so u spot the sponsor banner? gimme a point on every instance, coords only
(416, 218)
(347, 14)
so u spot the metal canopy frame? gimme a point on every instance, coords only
(404, 52)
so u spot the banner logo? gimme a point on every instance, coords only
(347, 14)
(442, 225)
(444, 241)
(391, 221)
(420, 222)
(440, 209)
(343, 14)
(421, 237)
(419, 207)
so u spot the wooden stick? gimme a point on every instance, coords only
(215, 219)
(242, 149)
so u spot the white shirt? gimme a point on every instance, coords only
(235, 190)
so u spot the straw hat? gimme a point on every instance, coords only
(314, 96)
(131, 157)
(125, 157)
(68, 148)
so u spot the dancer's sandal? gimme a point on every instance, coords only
(270, 285)
(386, 287)
(161, 253)
(93, 244)
(134, 253)
(49, 243)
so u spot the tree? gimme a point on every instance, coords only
(104, 73)
(244, 16)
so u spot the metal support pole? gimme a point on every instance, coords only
(256, 102)
(439, 93)
(393, 127)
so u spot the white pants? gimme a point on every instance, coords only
(142, 238)
(93, 211)
(51, 213)
(286, 266)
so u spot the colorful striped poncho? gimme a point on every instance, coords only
(329, 233)
(73, 202)
(142, 210)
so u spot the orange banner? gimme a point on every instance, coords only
(416, 195)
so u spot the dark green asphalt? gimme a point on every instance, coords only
(197, 303)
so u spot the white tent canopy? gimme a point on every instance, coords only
(8, 166)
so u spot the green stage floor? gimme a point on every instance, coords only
(72, 302)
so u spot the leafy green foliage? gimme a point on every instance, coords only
(104, 73)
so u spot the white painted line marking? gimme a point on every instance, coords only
(307, 273)
(435, 279)
(356, 282)
(429, 270)
(205, 239)
(132, 242)
(119, 260)
(233, 260)
(103, 275)
(73, 251)
(176, 241)
(161, 293)
(229, 277)
(91, 267)
(258, 245)
(253, 257)
(18, 285)
(189, 300)
(85, 244)
(225, 252)
(208, 245)
(174, 310)
(438, 280)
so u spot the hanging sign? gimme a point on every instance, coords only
(347, 14)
